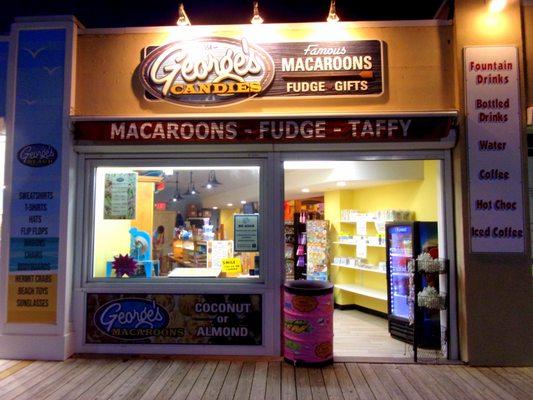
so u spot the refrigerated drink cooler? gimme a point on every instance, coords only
(404, 242)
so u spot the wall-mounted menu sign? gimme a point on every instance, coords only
(213, 71)
(120, 195)
(286, 130)
(494, 150)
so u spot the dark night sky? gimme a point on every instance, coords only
(120, 13)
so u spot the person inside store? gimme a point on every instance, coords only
(158, 244)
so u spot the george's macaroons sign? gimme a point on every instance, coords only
(215, 71)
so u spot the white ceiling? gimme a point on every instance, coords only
(317, 176)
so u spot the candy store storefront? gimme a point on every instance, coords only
(154, 174)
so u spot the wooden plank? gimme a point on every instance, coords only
(106, 380)
(517, 392)
(7, 365)
(331, 384)
(303, 387)
(244, 385)
(273, 385)
(488, 383)
(185, 386)
(258, 388)
(316, 381)
(130, 384)
(408, 390)
(288, 382)
(153, 388)
(73, 384)
(15, 385)
(37, 370)
(469, 380)
(527, 371)
(49, 385)
(143, 384)
(116, 383)
(202, 382)
(516, 378)
(445, 383)
(180, 370)
(217, 380)
(89, 378)
(12, 367)
(363, 379)
(345, 382)
(228, 388)
(467, 386)
(387, 382)
(425, 384)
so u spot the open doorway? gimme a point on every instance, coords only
(344, 221)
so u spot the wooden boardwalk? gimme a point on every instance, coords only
(141, 378)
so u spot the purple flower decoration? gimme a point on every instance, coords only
(124, 265)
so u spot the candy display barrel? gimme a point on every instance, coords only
(308, 323)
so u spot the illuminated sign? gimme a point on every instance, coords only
(369, 129)
(215, 71)
(209, 71)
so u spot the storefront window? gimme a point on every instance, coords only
(176, 222)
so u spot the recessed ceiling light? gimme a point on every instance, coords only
(230, 204)
(215, 208)
(243, 201)
(305, 190)
(341, 183)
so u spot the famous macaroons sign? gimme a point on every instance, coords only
(216, 319)
(215, 71)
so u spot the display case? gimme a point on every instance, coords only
(404, 242)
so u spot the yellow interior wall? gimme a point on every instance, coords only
(418, 196)
(111, 237)
(144, 216)
(226, 218)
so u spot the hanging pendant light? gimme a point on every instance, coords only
(191, 189)
(212, 180)
(177, 194)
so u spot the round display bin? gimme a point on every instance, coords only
(308, 323)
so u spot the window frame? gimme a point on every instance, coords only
(89, 165)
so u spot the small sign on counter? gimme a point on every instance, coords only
(231, 266)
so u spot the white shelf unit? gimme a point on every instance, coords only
(355, 244)
(377, 271)
(363, 290)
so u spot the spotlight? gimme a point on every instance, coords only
(332, 16)
(183, 19)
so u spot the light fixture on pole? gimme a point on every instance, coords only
(191, 189)
(256, 19)
(332, 16)
(183, 19)
(177, 194)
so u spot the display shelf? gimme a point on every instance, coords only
(359, 268)
(363, 290)
(346, 243)
(355, 244)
